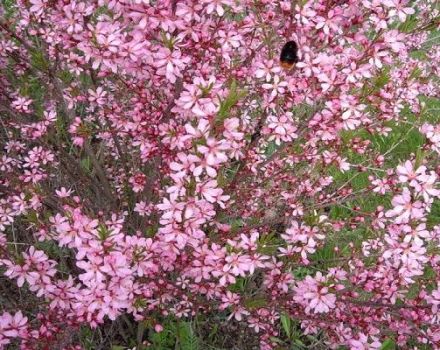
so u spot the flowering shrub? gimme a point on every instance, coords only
(158, 162)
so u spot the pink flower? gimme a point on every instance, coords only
(282, 128)
(362, 343)
(6, 217)
(327, 80)
(398, 9)
(266, 70)
(314, 297)
(216, 5)
(36, 267)
(93, 273)
(434, 299)
(98, 96)
(22, 104)
(143, 209)
(170, 64)
(37, 6)
(63, 193)
(13, 326)
(172, 209)
(202, 129)
(211, 192)
(321, 301)
(74, 130)
(138, 182)
(407, 173)
(328, 24)
(417, 234)
(426, 185)
(277, 87)
(381, 186)
(34, 256)
(395, 40)
(231, 129)
(214, 151)
(344, 165)
(404, 208)
(353, 112)
(237, 264)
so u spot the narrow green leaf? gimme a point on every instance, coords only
(255, 303)
(388, 344)
(287, 324)
(188, 340)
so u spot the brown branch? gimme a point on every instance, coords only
(100, 172)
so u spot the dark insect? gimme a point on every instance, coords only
(280, 228)
(289, 55)
(257, 133)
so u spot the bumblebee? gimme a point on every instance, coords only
(289, 55)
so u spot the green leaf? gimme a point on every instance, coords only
(388, 344)
(382, 79)
(103, 232)
(420, 155)
(188, 340)
(163, 340)
(86, 163)
(287, 324)
(255, 303)
(118, 347)
(39, 60)
(434, 215)
(239, 285)
(409, 24)
(276, 340)
(233, 97)
(270, 149)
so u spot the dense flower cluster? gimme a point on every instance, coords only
(157, 160)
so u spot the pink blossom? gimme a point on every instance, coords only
(277, 87)
(216, 5)
(404, 208)
(170, 64)
(13, 326)
(328, 24)
(22, 104)
(138, 182)
(38, 6)
(97, 96)
(395, 40)
(398, 8)
(407, 173)
(63, 193)
(266, 70)
(316, 297)
(282, 128)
